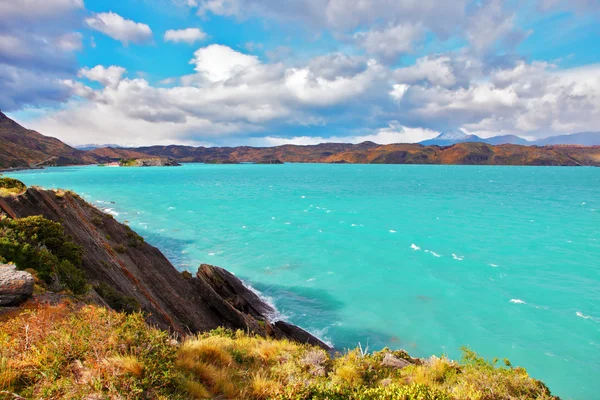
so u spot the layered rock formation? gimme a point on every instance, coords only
(120, 265)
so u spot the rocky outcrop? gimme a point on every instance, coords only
(15, 286)
(390, 360)
(116, 257)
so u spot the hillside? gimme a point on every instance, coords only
(23, 147)
(371, 153)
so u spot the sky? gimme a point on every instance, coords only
(271, 72)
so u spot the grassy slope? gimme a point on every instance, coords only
(73, 351)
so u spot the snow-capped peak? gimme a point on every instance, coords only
(452, 136)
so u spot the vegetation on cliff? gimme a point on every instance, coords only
(74, 351)
(41, 245)
(10, 186)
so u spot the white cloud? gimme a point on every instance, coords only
(394, 133)
(530, 99)
(110, 76)
(70, 42)
(119, 28)
(434, 70)
(391, 42)
(219, 63)
(346, 15)
(231, 93)
(219, 7)
(493, 23)
(189, 35)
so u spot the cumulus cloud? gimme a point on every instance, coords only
(121, 29)
(231, 92)
(110, 76)
(219, 63)
(390, 42)
(532, 99)
(189, 35)
(491, 24)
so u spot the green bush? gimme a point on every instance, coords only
(41, 244)
(117, 301)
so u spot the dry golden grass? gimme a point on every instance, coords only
(67, 351)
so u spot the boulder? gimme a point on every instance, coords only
(392, 361)
(15, 286)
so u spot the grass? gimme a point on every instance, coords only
(73, 351)
(11, 187)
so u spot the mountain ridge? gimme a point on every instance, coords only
(455, 137)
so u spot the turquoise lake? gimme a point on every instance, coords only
(505, 260)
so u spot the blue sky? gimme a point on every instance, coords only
(262, 72)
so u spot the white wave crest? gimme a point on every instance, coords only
(415, 247)
(582, 315)
(111, 212)
(517, 301)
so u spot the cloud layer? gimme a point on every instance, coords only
(400, 70)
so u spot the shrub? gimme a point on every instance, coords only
(41, 244)
(134, 239)
(117, 301)
(91, 352)
(119, 248)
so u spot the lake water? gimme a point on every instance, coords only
(505, 260)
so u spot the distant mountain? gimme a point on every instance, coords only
(88, 147)
(507, 139)
(583, 138)
(450, 138)
(21, 147)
